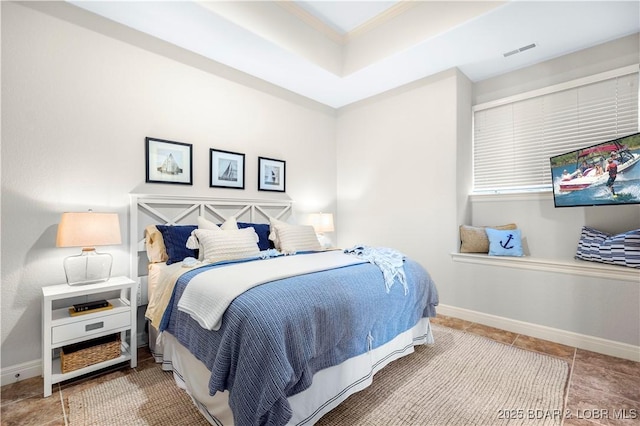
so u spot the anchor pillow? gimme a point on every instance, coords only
(504, 242)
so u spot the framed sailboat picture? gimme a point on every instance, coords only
(226, 169)
(169, 162)
(271, 174)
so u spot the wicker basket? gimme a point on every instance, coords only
(89, 352)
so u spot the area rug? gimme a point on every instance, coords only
(148, 397)
(462, 379)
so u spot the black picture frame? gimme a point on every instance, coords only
(168, 161)
(226, 169)
(272, 174)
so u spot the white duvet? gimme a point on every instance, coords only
(209, 293)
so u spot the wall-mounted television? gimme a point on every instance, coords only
(585, 177)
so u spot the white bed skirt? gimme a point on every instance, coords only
(330, 386)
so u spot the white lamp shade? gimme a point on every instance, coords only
(322, 222)
(88, 229)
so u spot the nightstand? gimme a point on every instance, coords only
(60, 328)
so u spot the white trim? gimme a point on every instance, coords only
(26, 370)
(33, 368)
(581, 341)
(630, 69)
(569, 266)
(499, 196)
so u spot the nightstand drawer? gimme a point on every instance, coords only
(90, 327)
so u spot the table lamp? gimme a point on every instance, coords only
(87, 230)
(322, 222)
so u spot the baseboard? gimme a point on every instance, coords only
(582, 341)
(31, 369)
(18, 372)
(595, 344)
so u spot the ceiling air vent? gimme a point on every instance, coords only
(522, 49)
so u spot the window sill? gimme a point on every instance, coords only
(573, 266)
(512, 196)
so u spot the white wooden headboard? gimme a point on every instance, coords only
(148, 210)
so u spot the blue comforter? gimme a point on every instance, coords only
(275, 336)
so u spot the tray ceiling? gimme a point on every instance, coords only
(339, 52)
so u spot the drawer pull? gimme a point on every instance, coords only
(94, 326)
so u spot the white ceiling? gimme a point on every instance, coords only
(339, 52)
(345, 16)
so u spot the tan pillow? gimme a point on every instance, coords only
(228, 245)
(156, 250)
(474, 239)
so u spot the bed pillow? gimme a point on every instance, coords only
(175, 240)
(228, 245)
(506, 242)
(154, 243)
(273, 235)
(229, 224)
(473, 239)
(294, 238)
(262, 229)
(204, 223)
(620, 249)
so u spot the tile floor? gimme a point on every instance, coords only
(601, 388)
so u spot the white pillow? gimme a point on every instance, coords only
(273, 235)
(203, 223)
(229, 245)
(293, 238)
(228, 224)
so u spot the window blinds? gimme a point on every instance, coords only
(513, 141)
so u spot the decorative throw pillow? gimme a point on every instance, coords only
(589, 244)
(473, 239)
(262, 229)
(204, 223)
(175, 240)
(156, 251)
(504, 242)
(229, 224)
(273, 235)
(620, 249)
(293, 238)
(228, 245)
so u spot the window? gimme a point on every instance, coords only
(514, 138)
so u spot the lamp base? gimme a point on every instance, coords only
(88, 267)
(325, 242)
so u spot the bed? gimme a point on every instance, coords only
(270, 336)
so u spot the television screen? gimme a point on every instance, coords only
(604, 174)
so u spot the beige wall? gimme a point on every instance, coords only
(76, 107)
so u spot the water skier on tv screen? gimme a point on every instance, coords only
(612, 168)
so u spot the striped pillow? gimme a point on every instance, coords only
(620, 249)
(228, 245)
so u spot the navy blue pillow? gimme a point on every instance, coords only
(620, 249)
(262, 229)
(175, 240)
